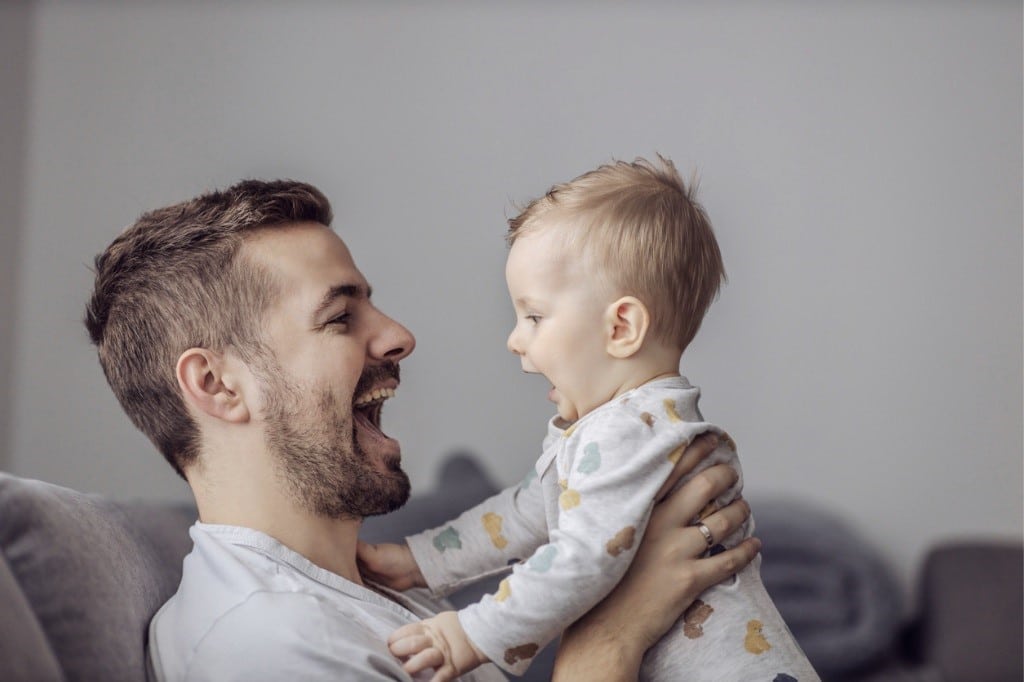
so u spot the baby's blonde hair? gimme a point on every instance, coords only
(639, 224)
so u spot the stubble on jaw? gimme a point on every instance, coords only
(312, 439)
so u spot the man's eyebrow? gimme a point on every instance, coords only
(341, 291)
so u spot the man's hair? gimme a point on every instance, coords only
(640, 225)
(174, 280)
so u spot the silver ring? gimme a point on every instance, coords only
(706, 532)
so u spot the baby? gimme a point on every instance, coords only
(610, 276)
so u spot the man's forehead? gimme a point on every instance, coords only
(299, 246)
(305, 258)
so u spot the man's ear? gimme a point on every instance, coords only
(211, 383)
(627, 321)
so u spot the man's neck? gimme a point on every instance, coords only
(328, 543)
(261, 504)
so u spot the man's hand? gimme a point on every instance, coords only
(668, 572)
(390, 565)
(439, 643)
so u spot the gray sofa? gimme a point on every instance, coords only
(81, 575)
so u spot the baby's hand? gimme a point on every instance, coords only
(390, 565)
(438, 643)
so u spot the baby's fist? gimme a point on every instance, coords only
(390, 565)
(439, 643)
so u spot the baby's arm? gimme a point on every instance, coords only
(508, 525)
(439, 643)
(483, 540)
(514, 518)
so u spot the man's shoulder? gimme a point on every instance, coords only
(277, 636)
(218, 579)
(243, 614)
(240, 613)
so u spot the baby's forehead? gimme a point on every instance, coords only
(562, 232)
(552, 246)
(555, 257)
(540, 249)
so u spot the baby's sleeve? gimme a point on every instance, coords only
(617, 465)
(484, 540)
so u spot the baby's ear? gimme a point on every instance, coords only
(212, 383)
(627, 321)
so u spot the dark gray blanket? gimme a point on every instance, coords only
(834, 591)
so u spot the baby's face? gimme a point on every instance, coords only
(560, 322)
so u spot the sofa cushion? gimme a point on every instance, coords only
(92, 571)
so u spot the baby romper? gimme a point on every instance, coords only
(577, 520)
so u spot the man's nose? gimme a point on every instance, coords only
(392, 341)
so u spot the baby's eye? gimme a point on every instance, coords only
(533, 318)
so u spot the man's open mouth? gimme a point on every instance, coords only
(369, 404)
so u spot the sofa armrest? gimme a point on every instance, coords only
(972, 602)
(26, 655)
(88, 574)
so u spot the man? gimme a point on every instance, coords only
(239, 336)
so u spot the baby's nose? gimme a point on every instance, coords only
(513, 346)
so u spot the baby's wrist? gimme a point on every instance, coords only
(415, 573)
(481, 657)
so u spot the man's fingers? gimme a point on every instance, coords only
(694, 454)
(725, 521)
(684, 504)
(713, 570)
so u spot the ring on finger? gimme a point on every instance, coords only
(706, 532)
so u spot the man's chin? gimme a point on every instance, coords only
(393, 498)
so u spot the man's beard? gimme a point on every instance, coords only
(313, 442)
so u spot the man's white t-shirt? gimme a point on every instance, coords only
(249, 608)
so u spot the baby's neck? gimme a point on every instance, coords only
(651, 364)
(630, 385)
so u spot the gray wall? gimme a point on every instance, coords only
(861, 163)
(15, 40)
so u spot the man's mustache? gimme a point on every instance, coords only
(374, 374)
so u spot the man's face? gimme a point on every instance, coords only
(334, 361)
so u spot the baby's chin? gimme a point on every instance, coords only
(567, 414)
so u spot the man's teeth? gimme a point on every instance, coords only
(376, 395)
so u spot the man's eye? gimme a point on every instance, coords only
(344, 318)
